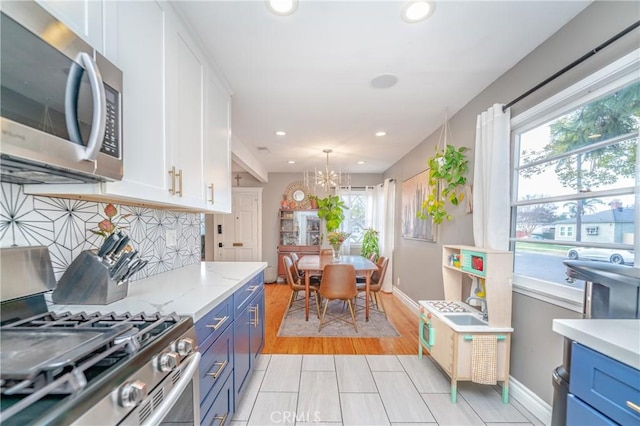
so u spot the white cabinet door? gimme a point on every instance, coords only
(84, 17)
(217, 148)
(186, 113)
(140, 32)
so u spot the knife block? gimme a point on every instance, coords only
(87, 282)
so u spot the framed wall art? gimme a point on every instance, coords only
(414, 191)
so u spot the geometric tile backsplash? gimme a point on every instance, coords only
(64, 226)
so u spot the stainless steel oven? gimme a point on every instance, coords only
(90, 368)
(61, 102)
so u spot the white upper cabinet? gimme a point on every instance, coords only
(217, 148)
(176, 124)
(185, 91)
(84, 17)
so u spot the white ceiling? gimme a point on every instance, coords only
(310, 73)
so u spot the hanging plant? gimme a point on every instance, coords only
(447, 180)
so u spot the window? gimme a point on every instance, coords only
(592, 230)
(574, 182)
(356, 217)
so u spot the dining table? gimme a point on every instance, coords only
(316, 263)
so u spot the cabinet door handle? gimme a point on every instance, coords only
(179, 176)
(252, 288)
(221, 367)
(634, 407)
(172, 173)
(256, 315)
(212, 194)
(219, 323)
(221, 418)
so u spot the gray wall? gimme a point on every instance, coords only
(536, 350)
(271, 197)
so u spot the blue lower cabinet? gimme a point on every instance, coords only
(216, 364)
(248, 333)
(230, 338)
(581, 414)
(609, 388)
(221, 405)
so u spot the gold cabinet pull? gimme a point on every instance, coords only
(212, 194)
(221, 418)
(221, 367)
(219, 323)
(179, 176)
(634, 407)
(172, 173)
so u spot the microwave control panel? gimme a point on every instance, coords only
(111, 144)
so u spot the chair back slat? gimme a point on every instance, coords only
(338, 282)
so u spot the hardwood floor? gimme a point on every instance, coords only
(405, 321)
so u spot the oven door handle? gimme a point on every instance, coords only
(188, 373)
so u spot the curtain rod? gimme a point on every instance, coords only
(574, 64)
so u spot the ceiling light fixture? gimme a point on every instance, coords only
(381, 133)
(282, 7)
(327, 179)
(417, 10)
(280, 133)
(360, 162)
(291, 162)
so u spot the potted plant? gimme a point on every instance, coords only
(447, 178)
(331, 209)
(370, 243)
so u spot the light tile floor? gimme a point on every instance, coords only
(367, 390)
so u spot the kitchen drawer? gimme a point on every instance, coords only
(220, 406)
(217, 358)
(215, 322)
(581, 414)
(605, 384)
(245, 293)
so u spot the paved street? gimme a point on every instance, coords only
(544, 266)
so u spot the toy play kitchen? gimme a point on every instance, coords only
(467, 342)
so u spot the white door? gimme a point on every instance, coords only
(238, 236)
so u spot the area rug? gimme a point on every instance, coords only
(294, 325)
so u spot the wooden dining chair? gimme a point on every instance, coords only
(314, 279)
(338, 283)
(377, 277)
(326, 252)
(296, 285)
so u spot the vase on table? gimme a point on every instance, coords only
(336, 252)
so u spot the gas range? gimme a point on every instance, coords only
(91, 368)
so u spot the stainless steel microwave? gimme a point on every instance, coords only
(61, 102)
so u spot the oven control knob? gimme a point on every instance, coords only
(184, 346)
(168, 361)
(131, 394)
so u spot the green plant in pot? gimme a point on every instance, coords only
(447, 179)
(331, 210)
(370, 243)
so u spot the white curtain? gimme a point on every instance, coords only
(383, 219)
(491, 180)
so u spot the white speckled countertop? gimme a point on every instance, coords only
(616, 338)
(193, 290)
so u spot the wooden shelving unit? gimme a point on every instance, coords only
(299, 231)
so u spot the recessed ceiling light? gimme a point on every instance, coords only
(360, 162)
(291, 162)
(282, 7)
(280, 133)
(417, 10)
(381, 133)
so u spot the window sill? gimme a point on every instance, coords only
(566, 297)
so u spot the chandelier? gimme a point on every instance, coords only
(327, 178)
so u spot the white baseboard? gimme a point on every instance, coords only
(517, 390)
(530, 401)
